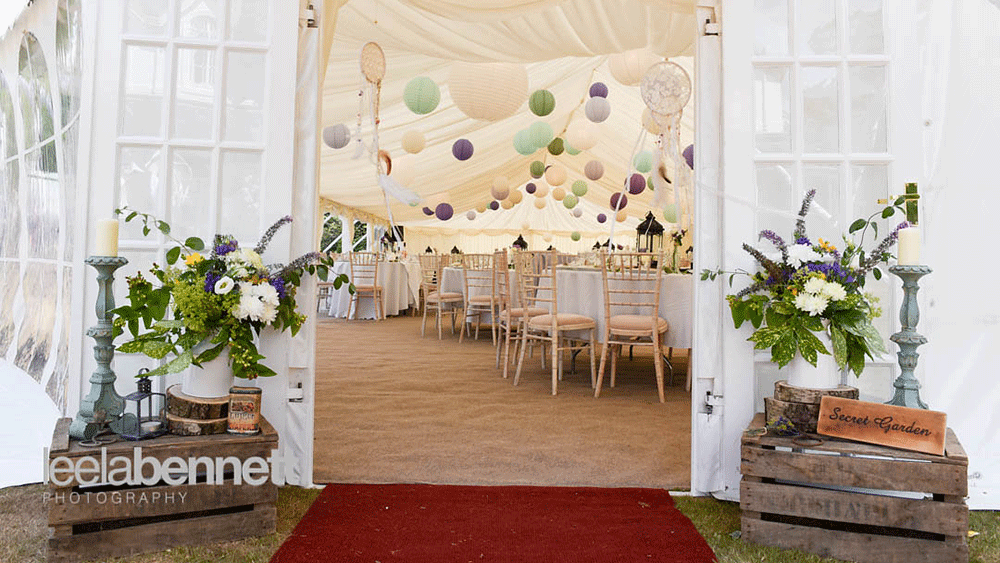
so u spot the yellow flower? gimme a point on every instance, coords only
(193, 259)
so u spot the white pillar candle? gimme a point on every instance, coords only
(107, 238)
(909, 246)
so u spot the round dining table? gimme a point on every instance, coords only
(397, 295)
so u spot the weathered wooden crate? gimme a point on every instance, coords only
(101, 521)
(854, 501)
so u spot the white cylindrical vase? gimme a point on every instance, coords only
(824, 375)
(210, 381)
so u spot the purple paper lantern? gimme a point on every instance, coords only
(601, 217)
(619, 196)
(428, 211)
(494, 205)
(462, 149)
(444, 211)
(636, 183)
(530, 187)
(689, 156)
(598, 89)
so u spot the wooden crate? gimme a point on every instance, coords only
(840, 499)
(102, 521)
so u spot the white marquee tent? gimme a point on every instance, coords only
(854, 101)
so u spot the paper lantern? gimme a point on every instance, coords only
(523, 144)
(615, 197)
(428, 211)
(500, 191)
(581, 134)
(540, 133)
(537, 169)
(575, 236)
(515, 196)
(462, 149)
(413, 141)
(482, 207)
(336, 136)
(421, 95)
(597, 109)
(636, 184)
(649, 183)
(570, 149)
(665, 88)
(540, 203)
(444, 211)
(488, 91)
(470, 214)
(601, 217)
(530, 187)
(541, 190)
(670, 213)
(507, 204)
(598, 90)
(621, 216)
(649, 123)
(629, 67)
(525, 226)
(577, 212)
(556, 147)
(558, 194)
(579, 188)
(541, 102)
(555, 175)
(494, 205)
(570, 201)
(594, 170)
(547, 237)
(643, 161)
(689, 156)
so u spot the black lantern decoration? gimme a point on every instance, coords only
(455, 250)
(597, 245)
(649, 234)
(520, 243)
(429, 250)
(150, 416)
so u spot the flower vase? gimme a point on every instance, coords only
(824, 375)
(210, 381)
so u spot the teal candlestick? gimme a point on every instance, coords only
(103, 408)
(907, 387)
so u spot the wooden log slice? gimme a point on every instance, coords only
(792, 394)
(182, 405)
(803, 415)
(192, 427)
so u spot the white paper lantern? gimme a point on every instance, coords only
(470, 215)
(540, 203)
(558, 194)
(488, 91)
(413, 141)
(581, 134)
(628, 67)
(597, 109)
(336, 136)
(507, 204)
(649, 123)
(555, 175)
(577, 212)
(541, 190)
(516, 196)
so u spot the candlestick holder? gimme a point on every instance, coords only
(103, 408)
(907, 387)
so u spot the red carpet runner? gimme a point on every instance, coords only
(445, 524)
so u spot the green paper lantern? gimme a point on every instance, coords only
(570, 201)
(575, 236)
(556, 147)
(670, 213)
(643, 162)
(541, 102)
(579, 188)
(570, 150)
(649, 182)
(537, 169)
(421, 95)
(541, 133)
(523, 144)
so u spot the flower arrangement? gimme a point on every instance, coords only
(676, 236)
(808, 287)
(220, 300)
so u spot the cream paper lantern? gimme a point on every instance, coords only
(629, 67)
(547, 237)
(621, 216)
(540, 203)
(481, 208)
(516, 196)
(555, 175)
(500, 191)
(558, 194)
(577, 212)
(525, 226)
(488, 91)
(649, 123)
(541, 190)
(594, 170)
(470, 214)
(507, 204)
(597, 109)
(581, 134)
(336, 136)
(414, 141)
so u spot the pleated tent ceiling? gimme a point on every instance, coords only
(565, 47)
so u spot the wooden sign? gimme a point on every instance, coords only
(886, 425)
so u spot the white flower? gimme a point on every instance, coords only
(814, 285)
(266, 292)
(270, 313)
(856, 261)
(250, 306)
(241, 260)
(773, 256)
(800, 253)
(834, 291)
(810, 303)
(224, 285)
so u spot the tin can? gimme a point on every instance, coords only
(244, 410)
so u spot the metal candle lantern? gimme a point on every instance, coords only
(649, 234)
(520, 243)
(152, 423)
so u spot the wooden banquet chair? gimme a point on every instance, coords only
(479, 277)
(431, 271)
(364, 276)
(629, 283)
(538, 289)
(511, 318)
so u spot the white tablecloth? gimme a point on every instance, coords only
(396, 293)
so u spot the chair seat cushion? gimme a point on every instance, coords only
(638, 323)
(518, 312)
(446, 296)
(481, 299)
(566, 321)
(367, 288)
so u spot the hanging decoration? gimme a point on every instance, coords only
(597, 109)
(515, 196)
(689, 156)
(629, 67)
(570, 149)
(555, 175)
(636, 184)
(579, 188)
(556, 147)
(643, 161)
(421, 95)
(575, 235)
(444, 211)
(507, 204)
(537, 169)
(336, 136)
(558, 194)
(541, 102)
(577, 212)
(618, 201)
(541, 190)
(598, 90)
(470, 214)
(482, 207)
(540, 203)
(601, 217)
(581, 134)
(594, 170)
(427, 211)
(529, 187)
(621, 216)
(488, 91)
(666, 89)
(462, 149)
(648, 123)
(494, 205)
(413, 141)
(670, 213)
(540, 133)
(499, 190)
(523, 143)
(570, 201)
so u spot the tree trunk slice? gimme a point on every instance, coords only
(792, 394)
(803, 415)
(182, 405)
(191, 427)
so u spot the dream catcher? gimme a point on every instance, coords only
(666, 89)
(372, 72)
